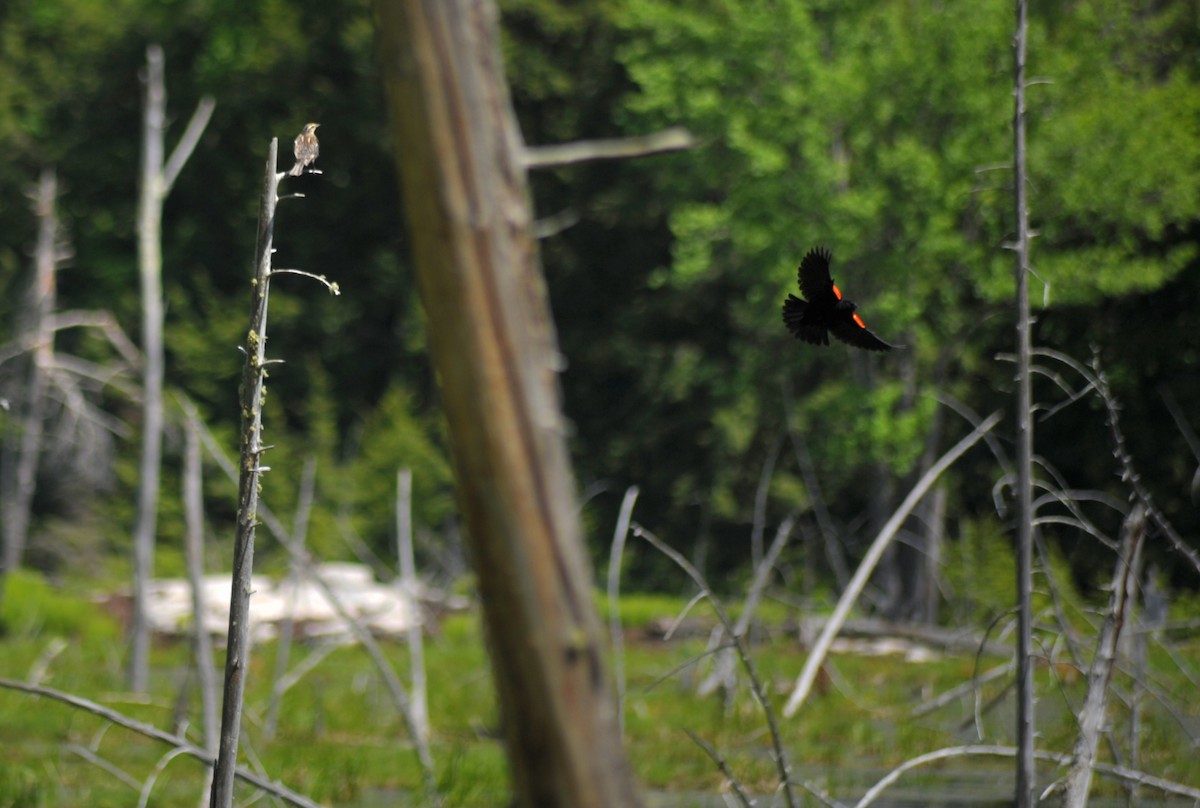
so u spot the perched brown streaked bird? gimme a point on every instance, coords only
(306, 149)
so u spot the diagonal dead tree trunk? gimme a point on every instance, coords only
(461, 161)
(1092, 715)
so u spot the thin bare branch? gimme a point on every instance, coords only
(678, 621)
(820, 649)
(1120, 772)
(193, 517)
(106, 324)
(329, 285)
(722, 670)
(759, 524)
(620, 534)
(582, 151)
(756, 685)
(148, 787)
(108, 766)
(942, 699)
(556, 223)
(1181, 421)
(237, 657)
(738, 789)
(149, 731)
(187, 143)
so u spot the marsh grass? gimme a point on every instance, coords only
(341, 741)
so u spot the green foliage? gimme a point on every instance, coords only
(34, 608)
(980, 573)
(395, 436)
(880, 130)
(340, 740)
(1114, 153)
(23, 787)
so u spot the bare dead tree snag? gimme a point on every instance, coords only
(250, 469)
(21, 465)
(305, 567)
(283, 645)
(1092, 714)
(408, 580)
(48, 395)
(193, 516)
(156, 181)
(615, 632)
(462, 168)
(1026, 773)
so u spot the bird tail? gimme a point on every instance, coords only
(297, 169)
(793, 317)
(793, 313)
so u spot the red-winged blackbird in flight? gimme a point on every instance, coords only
(825, 309)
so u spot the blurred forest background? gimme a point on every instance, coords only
(881, 130)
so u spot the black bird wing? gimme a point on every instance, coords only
(854, 332)
(816, 284)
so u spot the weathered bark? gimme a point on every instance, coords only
(462, 167)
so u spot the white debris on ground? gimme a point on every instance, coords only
(885, 646)
(384, 609)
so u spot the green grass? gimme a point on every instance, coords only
(341, 741)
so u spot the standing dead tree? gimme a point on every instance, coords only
(157, 178)
(462, 165)
(1025, 764)
(193, 538)
(46, 395)
(30, 413)
(254, 374)
(419, 703)
(305, 568)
